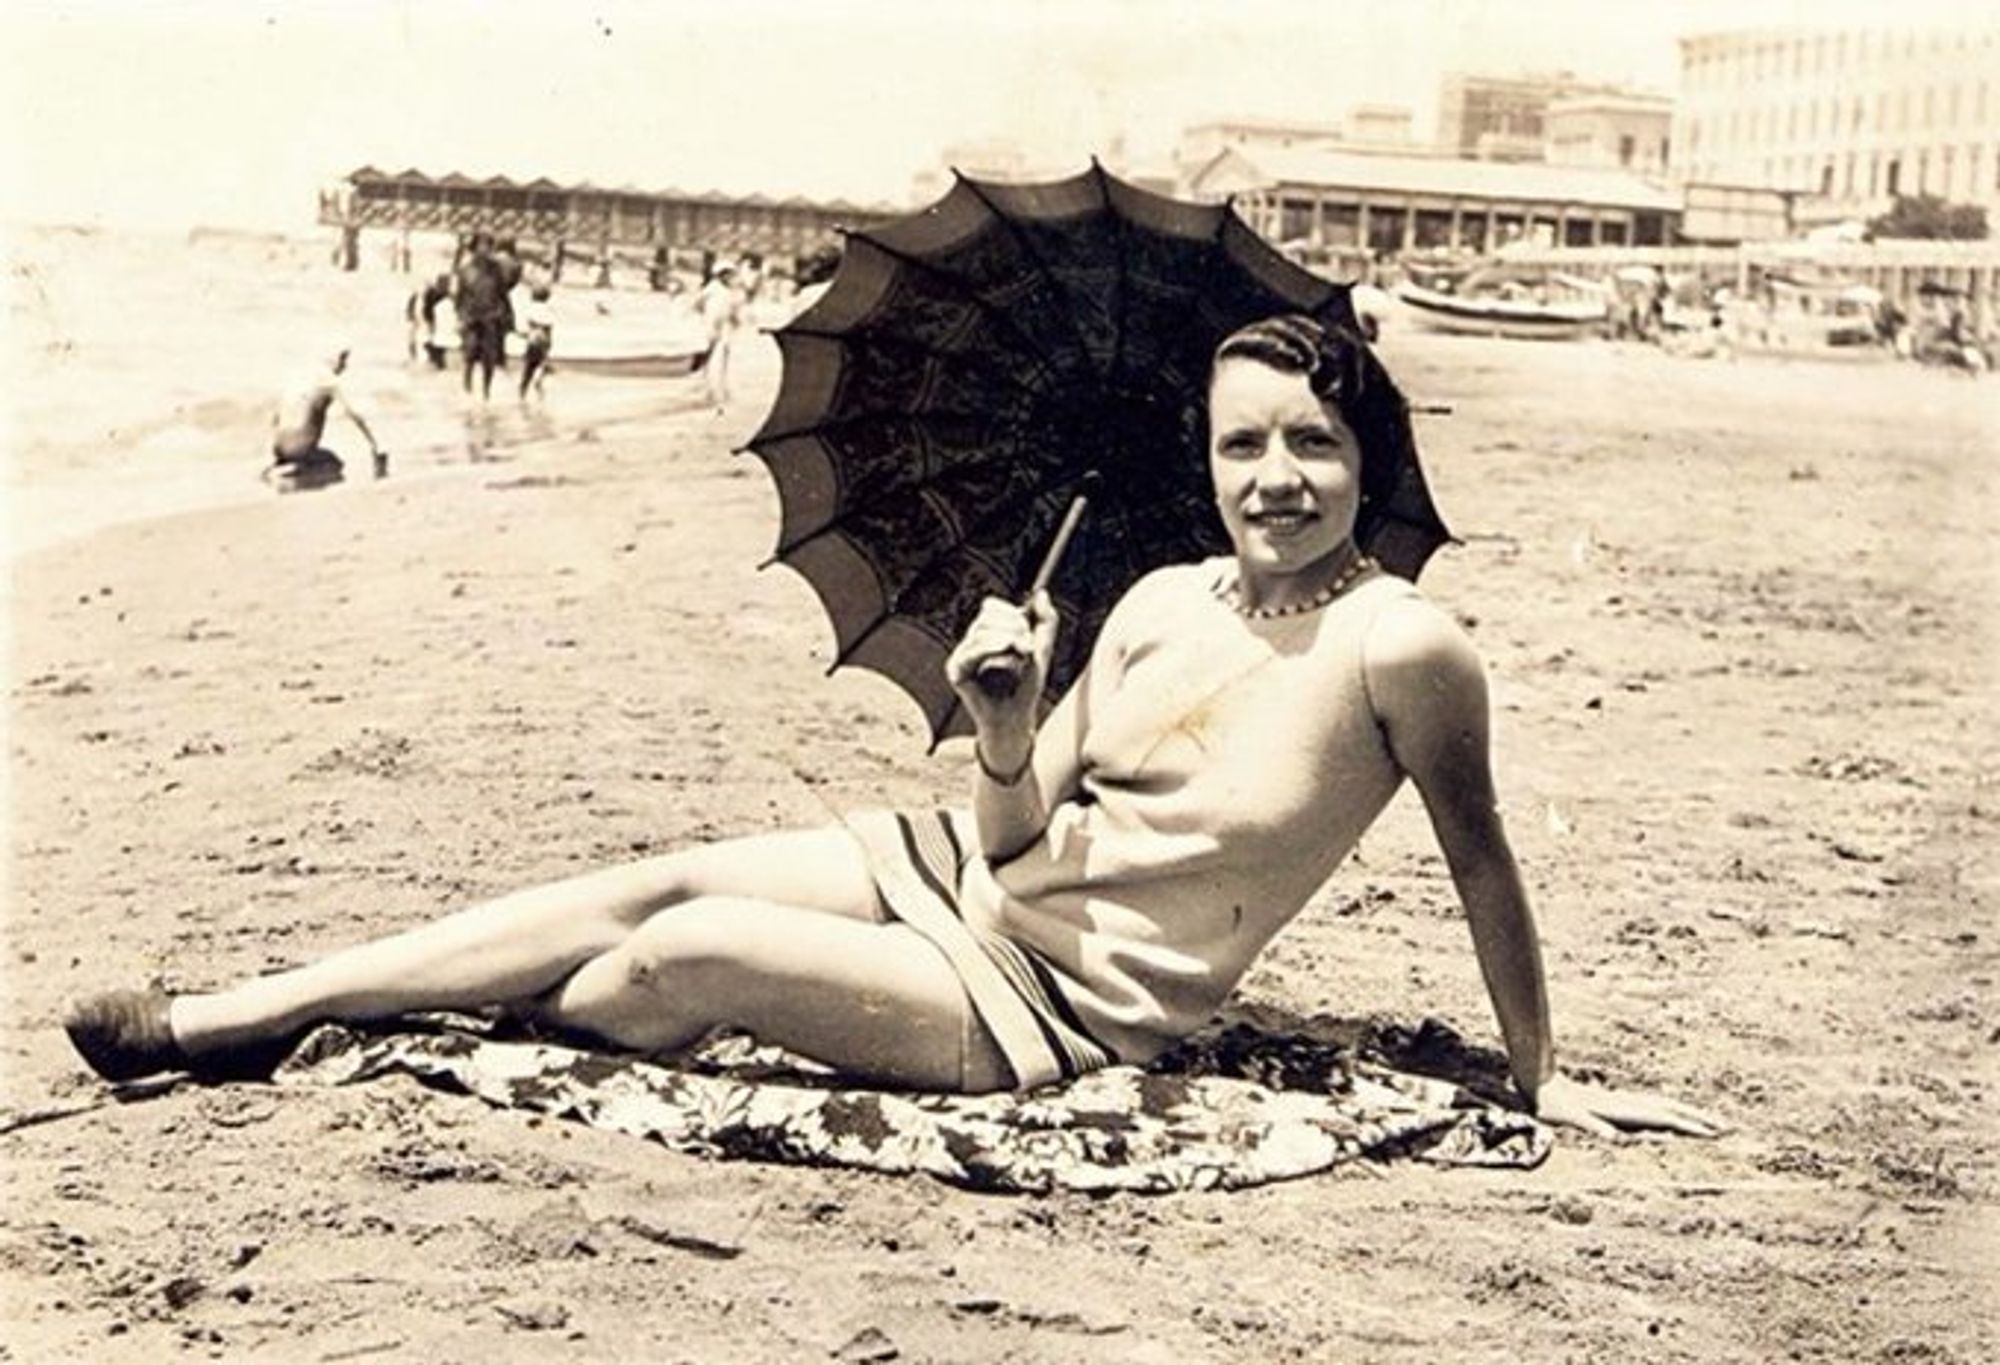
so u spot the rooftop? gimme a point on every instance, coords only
(1253, 124)
(1453, 177)
(410, 176)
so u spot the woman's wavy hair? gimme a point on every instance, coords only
(1341, 370)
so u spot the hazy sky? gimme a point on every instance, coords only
(173, 112)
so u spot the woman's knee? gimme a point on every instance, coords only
(666, 980)
(705, 939)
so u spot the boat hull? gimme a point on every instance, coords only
(656, 365)
(1503, 318)
(614, 364)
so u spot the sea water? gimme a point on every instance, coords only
(143, 370)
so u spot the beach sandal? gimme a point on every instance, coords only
(128, 1035)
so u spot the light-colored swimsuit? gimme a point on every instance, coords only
(1228, 765)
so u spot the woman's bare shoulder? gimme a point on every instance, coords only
(1412, 639)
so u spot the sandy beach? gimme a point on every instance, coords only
(1739, 623)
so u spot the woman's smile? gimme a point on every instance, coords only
(1287, 476)
(1283, 522)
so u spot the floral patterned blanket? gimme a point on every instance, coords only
(1233, 1107)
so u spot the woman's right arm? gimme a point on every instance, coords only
(1012, 806)
(1022, 771)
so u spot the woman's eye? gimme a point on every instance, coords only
(1241, 445)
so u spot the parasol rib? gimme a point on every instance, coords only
(1121, 310)
(851, 421)
(1206, 251)
(1034, 259)
(1216, 247)
(966, 292)
(951, 713)
(839, 521)
(1119, 300)
(922, 570)
(957, 359)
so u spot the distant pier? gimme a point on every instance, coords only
(588, 224)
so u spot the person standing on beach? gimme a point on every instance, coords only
(480, 297)
(720, 305)
(298, 427)
(538, 325)
(421, 313)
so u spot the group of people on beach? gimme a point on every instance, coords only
(1690, 316)
(1120, 862)
(479, 303)
(476, 302)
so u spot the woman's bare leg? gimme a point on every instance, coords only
(876, 1001)
(523, 944)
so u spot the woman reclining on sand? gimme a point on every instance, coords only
(1240, 724)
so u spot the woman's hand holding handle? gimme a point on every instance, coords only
(1009, 641)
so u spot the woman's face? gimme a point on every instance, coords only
(1286, 468)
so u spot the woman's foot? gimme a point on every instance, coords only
(125, 1035)
(129, 1035)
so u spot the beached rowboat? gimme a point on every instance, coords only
(619, 364)
(631, 364)
(1490, 315)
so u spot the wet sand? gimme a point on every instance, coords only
(1738, 620)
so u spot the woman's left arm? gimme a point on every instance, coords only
(1429, 693)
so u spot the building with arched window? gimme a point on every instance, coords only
(1850, 118)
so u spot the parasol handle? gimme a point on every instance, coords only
(1000, 673)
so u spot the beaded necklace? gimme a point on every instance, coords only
(1233, 594)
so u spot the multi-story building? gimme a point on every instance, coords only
(1503, 118)
(1846, 118)
(1628, 131)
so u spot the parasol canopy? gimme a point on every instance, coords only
(977, 364)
